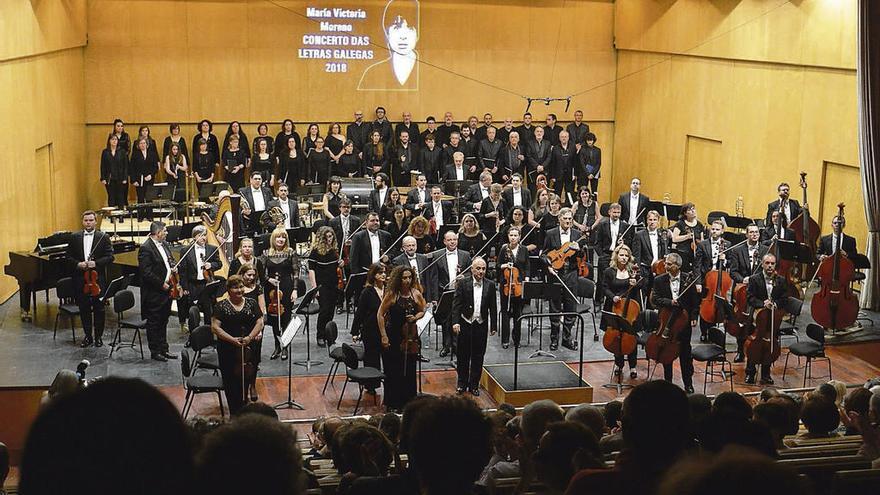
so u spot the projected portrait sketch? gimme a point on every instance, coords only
(400, 71)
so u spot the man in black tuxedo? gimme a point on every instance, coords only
(609, 233)
(745, 261)
(155, 264)
(288, 206)
(258, 199)
(438, 209)
(649, 245)
(419, 196)
(368, 246)
(191, 269)
(709, 256)
(426, 273)
(90, 249)
(454, 261)
(516, 194)
(476, 193)
(563, 156)
(828, 244)
(634, 204)
(474, 311)
(567, 275)
(761, 297)
(379, 192)
(345, 224)
(670, 290)
(790, 207)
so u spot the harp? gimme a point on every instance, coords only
(226, 225)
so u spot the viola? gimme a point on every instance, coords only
(275, 307)
(658, 267)
(559, 256)
(510, 282)
(617, 340)
(90, 285)
(717, 284)
(207, 273)
(411, 342)
(835, 306)
(583, 265)
(763, 345)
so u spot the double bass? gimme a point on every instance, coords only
(835, 306)
(806, 231)
(616, 340)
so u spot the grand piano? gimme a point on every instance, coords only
(42, 268)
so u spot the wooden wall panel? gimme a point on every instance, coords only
(836, 187)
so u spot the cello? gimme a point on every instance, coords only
(714, 306)
(763, 346)
(806, 231)
(662, 344)
(834, 306)
(616, 340)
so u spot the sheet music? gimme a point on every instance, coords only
(422, 323)
(292, 329)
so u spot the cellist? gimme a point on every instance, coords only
(554, 239)
(90, 250)
(619, 281)
(710, 256)
(512, 255)
(828, 244)
(766, 290)
(667, 293)
(745, 260)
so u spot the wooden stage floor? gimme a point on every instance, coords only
(307, 389)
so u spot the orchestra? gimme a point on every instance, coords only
(501, 229)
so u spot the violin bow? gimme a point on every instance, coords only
(621, 236)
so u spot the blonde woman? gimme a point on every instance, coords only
(470, 238)
(420, 229)
(620, 280)
(280, 281)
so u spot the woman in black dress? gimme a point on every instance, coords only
(253, 290)
(470, 238)
(493, 211)
(142, 168)
(288, 130)
(176, 170)
(550, 219)
(335, 141)
(234, 161)
(332, 198)
(238, 324)
(402, 305)
(687, 232)
(122, 136)
(420, 229)
(235, 129)
(375, 156)
(366, 326)
(398, 223)
(511, 255)
(263, 133)
(114, 172)
(619, 280)
(309, 140)
(290, 164)
(349, 165)
(245, 256)
(264, 162)
(205, 129)
(204, 163)
(281, 272)
(386, 211)
(319, 162)
(175, 138)
(323, 261)
(586, 211)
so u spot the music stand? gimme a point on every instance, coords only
(116, 285)
(457, 189)
(616, 320)
(288, 335)
(354, 285)
(794, 251)
(441, 317)
(206, 189)
(738, 222)
(302, 309)
(547, 291)
(422, 324)
(672, 211)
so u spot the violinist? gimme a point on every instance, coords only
(511, 256)
(608, 235)
(790, 207)
(649, 245)
(493, 211)
(196, 271)
(828, 244)
(568, 275)
(420, 229)
(766, 290)
(745, 261)
(238, 324)
(667, 293)
(88, 253)
(476, 193)
(417, 197)
(324, 260)
(402, 305)
(473, 313)
(519, 216)
(516, 194)
(619, 281)
(686, 233)
(280, 282)
(426, 274)
(586, 211)
(710, 256)
(345, 224)
(774, 230)
(154, 266)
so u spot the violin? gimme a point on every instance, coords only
(662, 344)
(207, 273)
(275, 308)
(717, 284)
(90, 275)
(411, 342)
(511, 285)
(658, 267)
(834, 306)
(174, 288)
(559, 256)
(617, 340)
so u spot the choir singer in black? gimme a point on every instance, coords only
(90, 251)
(474, 311)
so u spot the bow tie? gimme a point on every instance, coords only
(89, 233)
(565, 232)
(411, 258)
(451, 253)
(478, 285)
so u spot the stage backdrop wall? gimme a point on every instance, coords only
(180, 61)
(731, 97)
(42, 104)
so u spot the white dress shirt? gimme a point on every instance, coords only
(564, 236)
(423, 195)
(633, 207)
(374, 246)
(438, 214)
(675, 285)
(382, 193)
(484, 192)
(517, 197)
(164, 256)
(615, 230)
(452, 265)
(414, 263)
(459, 173)
(654, 237)
(88, 240)
(285, 207)
(259, 204)
(478, 301)
(345, 222)
(716, 251)
(200, 260)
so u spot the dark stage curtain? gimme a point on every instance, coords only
(868, 75)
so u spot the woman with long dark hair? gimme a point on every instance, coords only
(175, 137)
(205, 131)
(235, 129)
(290, 163)
(309, 140)
(402, 305)
(375, 155)
(319, 162)
(323, 261)
(332, 198)
(366, 326)
(288, 130)
(264, 162)
(114, 172)
(335, 141)
(176, 169)
(263, 133)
